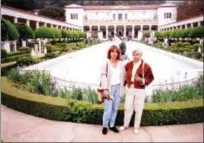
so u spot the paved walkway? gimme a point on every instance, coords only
(20, 127)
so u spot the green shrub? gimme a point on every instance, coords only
(33, 81)
(197, 55)
(186, 44)
(188, 92)
(26, 61)
(14, 58)
(17, 53)
(44, 32)
(25, 31)
(197, 32)
(80, 111)
(3, 53)
(50, 55)
(8, 31)
(186, 33)
(5, 68)
(49, 47)
(180, 44)
(188, 48)
(27, 49)
(196, 46)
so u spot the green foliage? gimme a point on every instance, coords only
(16, 53)
(3, 53)
(33, 81)
(9, 31)
(196, 46)
(186, 33)
(14, 58)
(184, 93)
(46, 32)
(197, 32)
(25, 31)
(26, 61)
(26, 49)
(53, 12)
(146, 34)
(80, 111)
(50, 55)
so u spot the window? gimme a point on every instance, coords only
(167, 15)
(74, 16)
(126, 16)
(120, 16)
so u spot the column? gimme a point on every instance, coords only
(45, 24)
(90, 29)
(133, 32)
(115, 27)
(15, 47)
(39, 42)
(106, 32)
(149, 27)
(124, 31)
(191, 25)
(28, 22)
(199, 23)
(186, 26)
(15, 20)
(37, 24)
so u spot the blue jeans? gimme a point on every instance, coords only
(111, 107)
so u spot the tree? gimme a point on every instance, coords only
(197, 32)
(53, 12)
(20, 4)
(189, 9)
(8, 30)
(25, 31)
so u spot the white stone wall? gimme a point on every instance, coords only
(131, 15)
(79, 12)
(160, 14)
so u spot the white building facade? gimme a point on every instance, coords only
(126, 20)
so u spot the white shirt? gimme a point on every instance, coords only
(115, 74)
(134, 69)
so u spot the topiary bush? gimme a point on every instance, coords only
(26, 61)
(27, 49)
(197, 32)
(50, 55)
(14, 58)
(3, 53)
(8, 30)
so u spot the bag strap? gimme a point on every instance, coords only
(106, 71)
(143, 69)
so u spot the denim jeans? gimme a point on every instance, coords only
(111, 107)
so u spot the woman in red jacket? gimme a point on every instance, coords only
(138, 75)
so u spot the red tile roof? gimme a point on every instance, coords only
(32, 13)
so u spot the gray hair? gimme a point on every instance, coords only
(138, 51)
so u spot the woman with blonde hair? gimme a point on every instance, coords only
(112, 83)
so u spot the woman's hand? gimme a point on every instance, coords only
(107, 94)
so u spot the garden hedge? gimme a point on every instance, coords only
(14, 58)
(55, 108)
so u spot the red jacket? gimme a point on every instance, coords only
(148, 75)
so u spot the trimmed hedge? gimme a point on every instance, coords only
(14, 58)
(16, 53)
(80, 111)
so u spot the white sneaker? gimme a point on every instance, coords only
(122, 128)
(136, 130)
